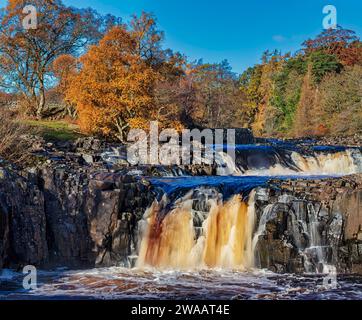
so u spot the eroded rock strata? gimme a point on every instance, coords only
(82, 205)
(62, 216)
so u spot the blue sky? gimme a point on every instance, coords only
(237, 30)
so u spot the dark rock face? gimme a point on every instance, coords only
(67, 234)
(23, 222)
(92, 218)
(310, 225)
(114, 205)
(4, 226)
(67, 217)
(242, 135)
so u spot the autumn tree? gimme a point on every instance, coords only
(266, 115)
(217, 97)
(64, 68)
(26, 56)
(5, 99)
(341, 102)
(288, 95)
(168, 65)
(342, 43)
(250, 82)
(127, 80)
(113, 90)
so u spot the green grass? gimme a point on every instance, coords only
(55, 130)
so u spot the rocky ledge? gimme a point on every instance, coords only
(75, 210)
(66, 217)
(78, 217)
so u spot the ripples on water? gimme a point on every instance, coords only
(121, 283)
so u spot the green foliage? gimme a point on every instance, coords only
(287, 90)
(298, 64)
(322, 64)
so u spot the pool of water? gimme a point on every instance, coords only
(122, 283)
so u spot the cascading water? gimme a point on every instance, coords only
(267, 215)
(219, 236)
(255, 160)
(314, 233)
(203, 230)
(340, 163)
(265, 160)
(319, 248)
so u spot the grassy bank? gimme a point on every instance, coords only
(55, 130)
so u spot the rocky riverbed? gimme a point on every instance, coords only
(77, 210)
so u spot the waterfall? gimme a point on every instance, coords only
(226, 165)
(317, 253)
(272, 162)
(264, 160)
(183, 238)
(313, 232)
(268, 214)
(330, 163)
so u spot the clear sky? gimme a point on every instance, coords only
(237, 30)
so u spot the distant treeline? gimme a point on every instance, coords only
(316, 91)
(113, 76)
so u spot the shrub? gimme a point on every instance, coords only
(13, 145)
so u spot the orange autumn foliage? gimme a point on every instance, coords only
(113, 90)
(64, 68)
(116, 87)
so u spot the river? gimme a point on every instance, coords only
(122, 283)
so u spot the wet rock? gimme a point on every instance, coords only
(315, 225)
(4, 230)
(22, 222)
(64, 194)
(242, 135)
(66, 213)
(101, 185)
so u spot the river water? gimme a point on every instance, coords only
(122, 283)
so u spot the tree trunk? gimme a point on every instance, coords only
(41, 101)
